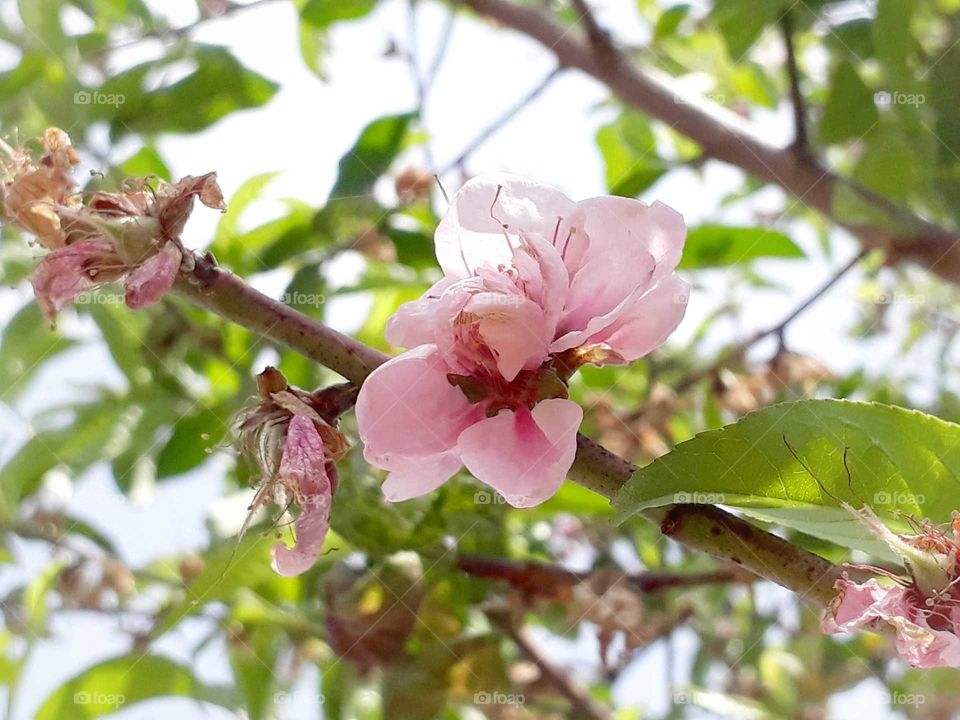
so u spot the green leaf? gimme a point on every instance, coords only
(119, 683)
(95, 433)
(192, 438)
(888, 165)
(721, 245)
(233, 566)
(218, 86)
(27, 343)
(669, 21)
(741, 22)
(629, 151)
(849, 112)
(900, 461)
(253, 659)
(891, 34)
(371, 156)
(323, 13)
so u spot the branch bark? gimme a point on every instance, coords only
(596, 468)
(724, 136)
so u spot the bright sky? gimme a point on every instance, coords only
(301, 134)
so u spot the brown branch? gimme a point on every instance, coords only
(724, 136)
(595, 467)
(582, 705)
(801, 141)
(536, 578)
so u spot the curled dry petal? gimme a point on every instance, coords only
(148, 283)
(32, 195)
(304, 472)
(66, 272)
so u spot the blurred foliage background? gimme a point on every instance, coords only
(117, 425)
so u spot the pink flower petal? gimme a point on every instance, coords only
(472, 233)
(304, 467)
(523, 455)
(415, 323)
(646, 322)
(514, 328)
(409, 417)
(413, 477)
(617, 248)
(870, 604)
(149, 282)
(61, 275)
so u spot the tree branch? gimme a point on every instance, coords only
(536, 578)
(723, 135)
(582, 705)
(801, 141)
(703, 528)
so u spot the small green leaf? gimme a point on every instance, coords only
(371, 156)
(669, 21)
(721, 245)
(120, 682)
(27, 343)
(850, 112)
(218, 86)
(629, 151)
(900, 461)
(323, 13)
(741, 22)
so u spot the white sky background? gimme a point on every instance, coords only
(302, 133)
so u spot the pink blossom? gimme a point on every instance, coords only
(534, 286)
(923, 610)
(303, 471)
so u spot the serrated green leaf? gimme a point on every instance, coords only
(899, 460)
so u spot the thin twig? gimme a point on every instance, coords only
(598, 37)
(801, 141)
(737, 351)
(177, 33)
(535, 578)
(501, 121)
(582, 705)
